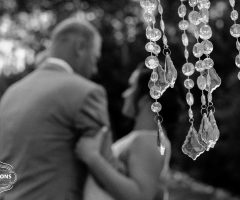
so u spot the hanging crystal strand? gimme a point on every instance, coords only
(191, 146)
(152, 62)
(208, 129)
(235, 32)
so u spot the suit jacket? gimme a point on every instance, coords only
(41, 119)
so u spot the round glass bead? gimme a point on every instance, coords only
(156, 107)
(205, 32)
(237, 60)
(235, 30)
(234, 15)
(185, 40)
(232, 3)
(154, 76)
(194, 17)
(192, 3)
(182, 10)
(148, 5)
(204, 13)
(153, 48)
(149, 17)
(198, 50)
(238, 75)
(208, 63)
(199, 66)
(153, 34)
(188, 69)
(183, 25)
(155, 92)
(201, 82)
(189, 99)
(189, 83)
(207, 47)
(152, 62)
(204, 4)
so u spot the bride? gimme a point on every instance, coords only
(144, 167)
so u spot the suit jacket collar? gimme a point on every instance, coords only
(56, 64)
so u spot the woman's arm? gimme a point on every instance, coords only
(144, 166)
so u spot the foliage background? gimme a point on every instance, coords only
(123, 31)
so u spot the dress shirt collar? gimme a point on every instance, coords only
(61, 63)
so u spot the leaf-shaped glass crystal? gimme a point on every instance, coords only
(171, 72)
(161, 82)
(215, 80)
(191, 145)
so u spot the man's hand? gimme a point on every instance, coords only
(88, 148)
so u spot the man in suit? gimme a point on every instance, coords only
(44, 115)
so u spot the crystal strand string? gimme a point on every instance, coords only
(235, 32)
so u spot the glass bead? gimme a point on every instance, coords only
(207, 47)
(239, 75)
(189, 99)
(235, 30)
(154, 76)
(204, 4)
(153, 48)
(151, 84)
(199, 66)
(189, 83)
(198, 50)
(204, 13)
(192, 3)
(156, 107)
(190, 113)
(162, 25)
(201, 82)
(203, 99)
(155, 92)
(185, 40)
(186, 53)
(148, 5)
(182, 11)
(232, 3)
(152, 62)
(165, 40)
(160, 9)
(205, 32)
(153, 34)
(196, 33)
(208, 63)
(238, 45)
(149, 17)
(209, 97)
(234, 15)
(183, 25)
(188, 69)
(194, 17)
(237, 60)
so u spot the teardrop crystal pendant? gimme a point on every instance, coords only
(191, 145)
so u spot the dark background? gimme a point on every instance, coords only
(121, 26)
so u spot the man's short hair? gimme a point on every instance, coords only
(76, 27)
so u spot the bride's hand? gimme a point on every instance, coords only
(88, 148)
